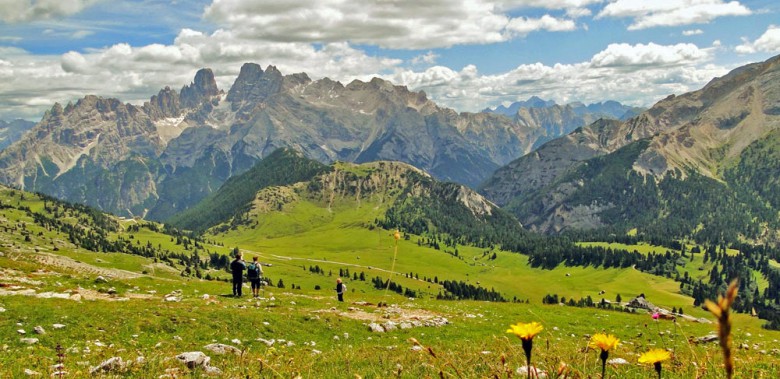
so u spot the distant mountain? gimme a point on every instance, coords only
(557, 120)
(608, 109)
(701, 163)
(163, 157)
(511, 110)
(11, 131)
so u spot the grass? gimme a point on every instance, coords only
(474, 344)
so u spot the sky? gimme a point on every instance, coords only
(467, 55)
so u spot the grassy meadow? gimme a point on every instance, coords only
(289, 333)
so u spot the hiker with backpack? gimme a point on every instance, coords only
(254, 272)
(340, 289)
(237, 267)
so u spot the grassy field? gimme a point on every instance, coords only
(306, 333)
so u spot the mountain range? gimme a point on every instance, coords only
(607, 109)
(704, 162)
(164, 156)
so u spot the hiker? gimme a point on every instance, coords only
(237, 267)
(254, 272)
(340, 289)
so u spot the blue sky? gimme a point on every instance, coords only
(466, 55)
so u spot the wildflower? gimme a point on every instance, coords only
(721, 312)
(655, 357)
(656, 315)
(526, 332)
(605, 342)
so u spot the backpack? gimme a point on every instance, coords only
(253, 271)
(343, 288)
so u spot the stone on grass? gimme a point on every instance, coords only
(2, 309)
(267, 342)
(39, 330)
(28, 341)
(21, 331)
(219, 348)
(109, 365)
(58, 326)
(29, 372)
(101, 279)
(535, 372)
(194, 359)
(374, 327)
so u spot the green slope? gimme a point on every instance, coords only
(282, 167)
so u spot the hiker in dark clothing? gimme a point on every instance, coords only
(237, 267)
(340, 289)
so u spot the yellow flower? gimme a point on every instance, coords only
(655, 356)
(605, 342)
(526, 331)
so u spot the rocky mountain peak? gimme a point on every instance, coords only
(165, 104)
(254, 86)
(203, 87)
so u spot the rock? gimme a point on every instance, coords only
(405, 325)
(416, 348)
(213, 371)
(75, 297)
(389, 325)
(374, 327)
(101, 279)
(194, 359)
(219, 348)
(2, 309)
(28, 341)
(617, 361)
(58, 326)
(21, 331)
(109, 365)
(205, 296)
(29, 372)
(269, 343)
(535, 372)
(705, 339)
(236, 341)
(39, 330)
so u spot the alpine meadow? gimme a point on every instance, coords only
(378, 200)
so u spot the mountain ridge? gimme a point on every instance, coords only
(701, 133)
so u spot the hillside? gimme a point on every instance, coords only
(61, 273)
(683, 162)
(282, 167)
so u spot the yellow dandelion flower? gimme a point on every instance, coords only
(655, 356)
(605, 342)
(525, 331)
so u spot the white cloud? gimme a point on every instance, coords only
(13, 11)
(428, 58)
(693, 32)
(625, 55)
(406, 24)
(768, 42)
(522, 26)
(633, 74)
(649, 14)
